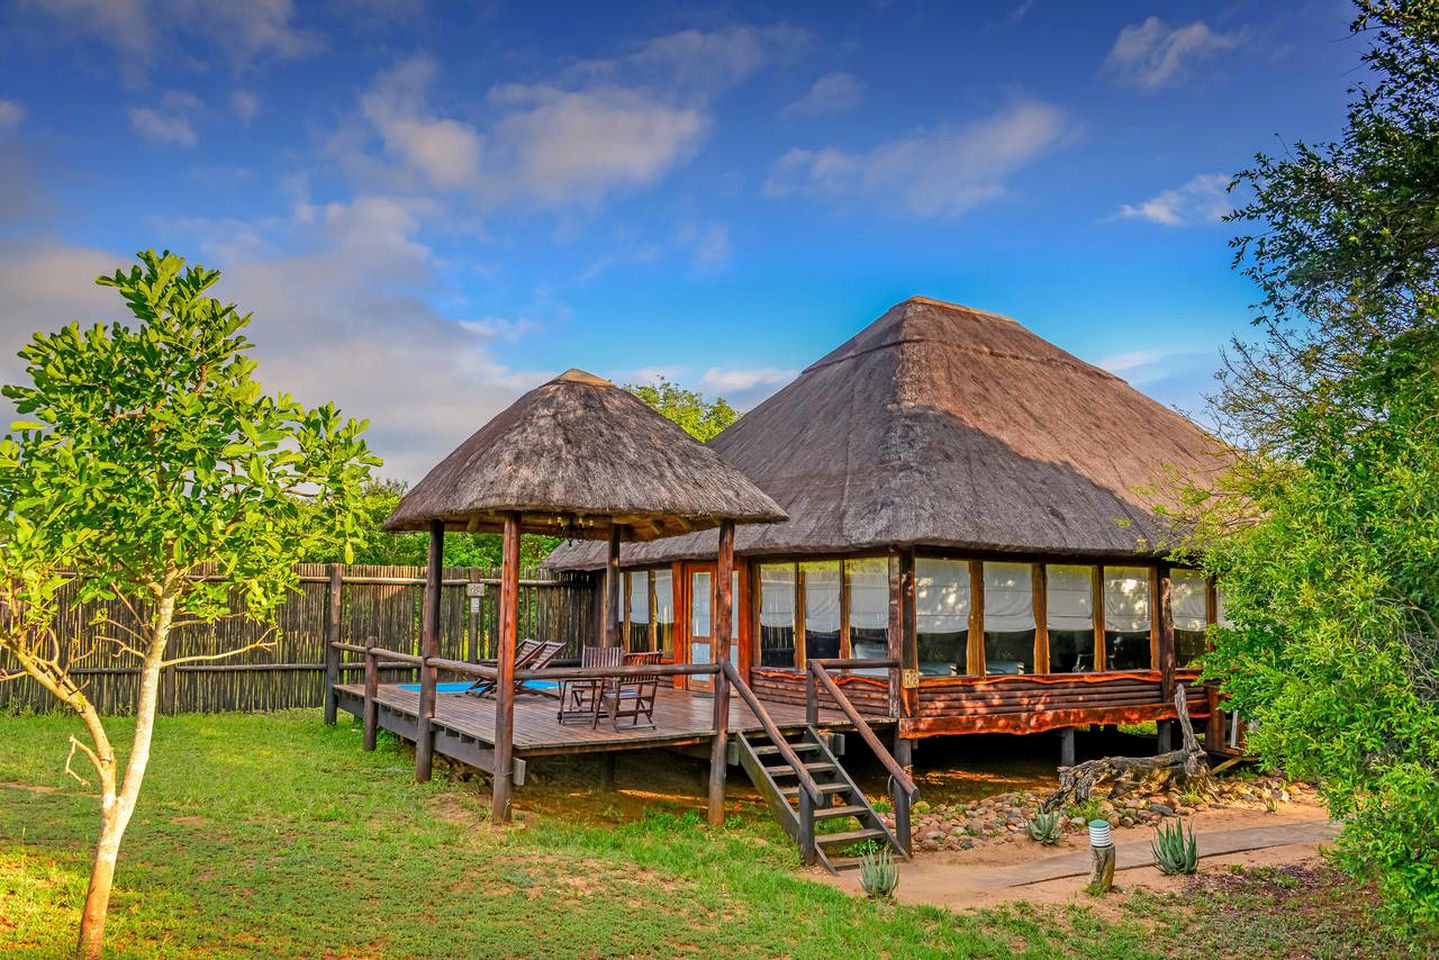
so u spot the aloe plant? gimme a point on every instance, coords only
(1174, 848)
(1047, 828)
(877, 873)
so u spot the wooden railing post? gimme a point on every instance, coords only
(719, 746)
(333, 610)
(504, 773)
(811, 695)
(429, 647)
(808, 848)
(372, 689)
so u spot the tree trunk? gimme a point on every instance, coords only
(116, 809)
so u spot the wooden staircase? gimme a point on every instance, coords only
(824, 831)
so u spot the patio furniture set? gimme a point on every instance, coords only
(627, 700)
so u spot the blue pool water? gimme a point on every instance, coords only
(463, 686)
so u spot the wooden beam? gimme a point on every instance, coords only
(429, 647)
(894, 636)
(909, 648)
(1039, 581)
(505, 684)
(974, 665)
(719, 761)
(611, 606)
(1096, 588)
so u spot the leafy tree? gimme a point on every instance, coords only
(701, 418)
(375, 546)
(1326, 530)
(147, 455)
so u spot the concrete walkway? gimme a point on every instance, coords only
(1136, 853)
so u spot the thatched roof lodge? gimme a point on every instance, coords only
(968, 497)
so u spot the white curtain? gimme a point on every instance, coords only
(821, 596)
(701, 602)
(1187, 599)
(1069, 598)
(776, 595)
(941, 595)
(640, 596)
(868, 593)
(1126, 599)
(664, 597)
(1008, 597)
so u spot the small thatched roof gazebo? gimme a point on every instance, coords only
(580, 458)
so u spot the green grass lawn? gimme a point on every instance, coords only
(275, 835)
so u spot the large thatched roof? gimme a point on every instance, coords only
(575, 457)
(946, 426)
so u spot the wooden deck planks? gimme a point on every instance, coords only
(682, 718)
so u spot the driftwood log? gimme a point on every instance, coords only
(1189, 764)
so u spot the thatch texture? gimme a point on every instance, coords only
(576, 456)
(943, 426)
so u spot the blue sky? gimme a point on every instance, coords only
(432, 207)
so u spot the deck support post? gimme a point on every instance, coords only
(904, 756)
(607, 772)
(1066, 747)
(808, 848)
(372, 689)
(429, 647)
(332, 637)
(504, 773)
(724, 601)
(1165, 741)
(613, 604)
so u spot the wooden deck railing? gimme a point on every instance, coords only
(903, 789)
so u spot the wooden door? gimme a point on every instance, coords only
(699, 619)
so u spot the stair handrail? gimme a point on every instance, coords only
(861, 725)
(806, 782)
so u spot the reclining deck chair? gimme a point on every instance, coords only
(529, 655)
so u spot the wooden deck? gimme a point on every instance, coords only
(465, 725)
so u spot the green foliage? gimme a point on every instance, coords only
(145, 453)
(373, 545)
(1174, 848)
(700, 418)
(1090, 809)
(1047, 828)
(878, 876)
(1325, 532)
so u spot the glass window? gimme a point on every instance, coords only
(1008, 618)
(1188, 605)
(776, 614)
(821, 608)
(941, 600)
(664, 594)
(1069, 614)
(701, 601)
(639, 609)
(868, 581)
(1126, 618)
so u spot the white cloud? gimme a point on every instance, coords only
(698, 62)
(1204, 199)
(445, 152)
(940, 172)
(1151, 54)
(171, 121)
(11, 113)
(733, 381)
(143, 31)
(246, 105)
(831, 93)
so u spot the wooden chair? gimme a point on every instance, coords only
(580, 699)
(525, 654)
(549, 653)
(629, 697)
(644, 657)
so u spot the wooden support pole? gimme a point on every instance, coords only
(611, 607)
(607, 772)
(909, 645)
(372, 689)
(1166, 656)
(429, 647)
(504, 773)
(974, 664)
(333, 606)
(1066, 747)
(903, 832)
(894, 639)
(1096, 593)
(719, 746)
(1039, 582)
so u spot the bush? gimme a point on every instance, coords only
(1175, 849)
(878, 874)
(1047, 828)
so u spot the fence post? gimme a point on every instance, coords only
(333, 608)
(475, 596)
(372, 689)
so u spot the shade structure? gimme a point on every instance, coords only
(579, 457)
(941, 425)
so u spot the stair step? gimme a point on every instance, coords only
(768, 750)
(849, 836)
(823, 788)
(836, 864)
(786, 770)
(847, 810)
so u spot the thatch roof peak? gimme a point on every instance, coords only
(577, 457)
(940, 425)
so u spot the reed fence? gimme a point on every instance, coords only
(333, 602)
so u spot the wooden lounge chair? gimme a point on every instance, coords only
(529, 655)
(549, 653)
(628, 697)
(580, 699)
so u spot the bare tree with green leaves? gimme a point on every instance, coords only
(147, 455)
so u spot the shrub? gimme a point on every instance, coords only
(878, 874)
(1174, 848)
(1047, 828)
